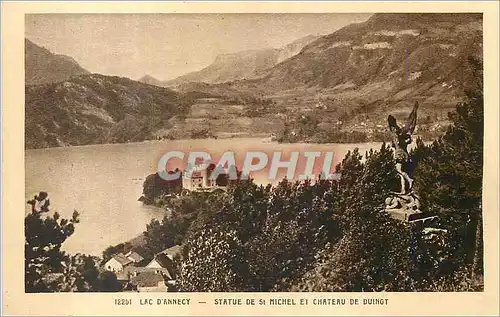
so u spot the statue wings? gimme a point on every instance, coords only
(410, 123)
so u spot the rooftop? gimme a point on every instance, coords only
(133, 271)
(147, 279)
(134, 256)
(122, 259)
(166, 262)
(173, 251)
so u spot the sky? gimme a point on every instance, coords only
(166, 46)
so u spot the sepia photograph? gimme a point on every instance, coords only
(239, 109)
(284, 159)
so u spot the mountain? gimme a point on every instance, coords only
(242, 65)
(150, 80)
(398, 49)
(357, 75)
(43, 66)
(294, 48)
(90, 109)
(337, 88)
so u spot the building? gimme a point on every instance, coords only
(174, 251)
(143, 279)
(134, 256)
(197, 179)
(158, 276)
(200, 179)
(150, 281)
(165, 260)
(119, 261)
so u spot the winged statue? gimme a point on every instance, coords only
(401, 140)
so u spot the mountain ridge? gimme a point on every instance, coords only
(94, 108)
(239, 65)
(150, 80)
(43, 67)
(339, 84)
(364, 70)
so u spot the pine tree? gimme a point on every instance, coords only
(44, 236)
(449, 179)
(213, 261)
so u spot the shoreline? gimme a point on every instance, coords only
(262, 139)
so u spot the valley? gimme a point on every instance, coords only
(336, 88)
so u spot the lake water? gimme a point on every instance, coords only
(103, 182)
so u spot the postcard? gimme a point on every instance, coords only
(264, 158)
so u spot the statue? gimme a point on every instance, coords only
(401, 140)
(405, 204)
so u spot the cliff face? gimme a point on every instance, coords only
(43, 66)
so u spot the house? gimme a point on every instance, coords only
(173, 251)
(145, 279)
(129, 272)
(134, 256)
(165, 260)
(222, 179)
(149, 281)
(117, 263)
(132, 271)
(201, 180)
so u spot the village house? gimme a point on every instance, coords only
(119, 261)
(162, 261)
(150, 281)
(158, 276)
(134, 256)
(143, 279)
(165, 260)
(174, 251)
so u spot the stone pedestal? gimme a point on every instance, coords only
(403, 207)
(406, 208)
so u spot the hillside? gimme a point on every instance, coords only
(91, 109)
(241, 65)
(337, 88)
(399, 50)
(355, 76)
(43, 66)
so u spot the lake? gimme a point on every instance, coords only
(103, 182)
